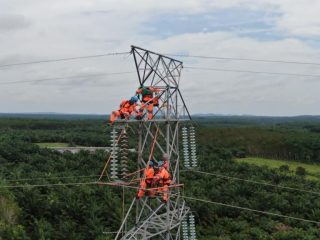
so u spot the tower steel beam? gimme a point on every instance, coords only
(150, 218)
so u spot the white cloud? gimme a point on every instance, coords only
(53, 29)
(238, 92)
(299, 18)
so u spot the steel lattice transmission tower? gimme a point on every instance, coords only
(150, 218)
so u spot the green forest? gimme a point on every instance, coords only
(45, 194)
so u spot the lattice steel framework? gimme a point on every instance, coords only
(150, 218)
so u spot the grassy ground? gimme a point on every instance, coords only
(55, 144)
(313, 170)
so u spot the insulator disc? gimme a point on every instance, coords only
(192, 227)
(185, 232)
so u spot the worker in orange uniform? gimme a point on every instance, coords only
(127, 107)
(163, 179)
(148, 100)
(147, 181)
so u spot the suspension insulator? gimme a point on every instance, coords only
(185, 147)
(193, 147)
(124, 165)
(124, 152)
(192, 227)
(124, 168)
(185, 229)
(114, 154)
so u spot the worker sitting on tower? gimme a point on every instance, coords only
(148, 100)
(147, 181)
(163, 180)
(127, 107)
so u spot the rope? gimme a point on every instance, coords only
(110, 154)
(251, 210)
(130, 174)
(153, 145)
(151, 151)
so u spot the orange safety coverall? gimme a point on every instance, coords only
(148, 101)
(125, 110)
(146, 182)
(163, 179)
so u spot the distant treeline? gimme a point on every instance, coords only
(296, 138)
(300, 141)
(59, 116)
(90, 132)
(210, 118)
(87, 211)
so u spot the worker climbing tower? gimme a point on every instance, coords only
(149, 217)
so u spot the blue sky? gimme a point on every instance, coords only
(265, 29)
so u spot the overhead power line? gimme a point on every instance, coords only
(63, 59)
(131, 72)
(254, 182)
(48, 178)
(245, 59)
(194, 171)
(175, 55)
(48, 185)
(251, 72)
(186, 197)
(251, 210)
(67, 77)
